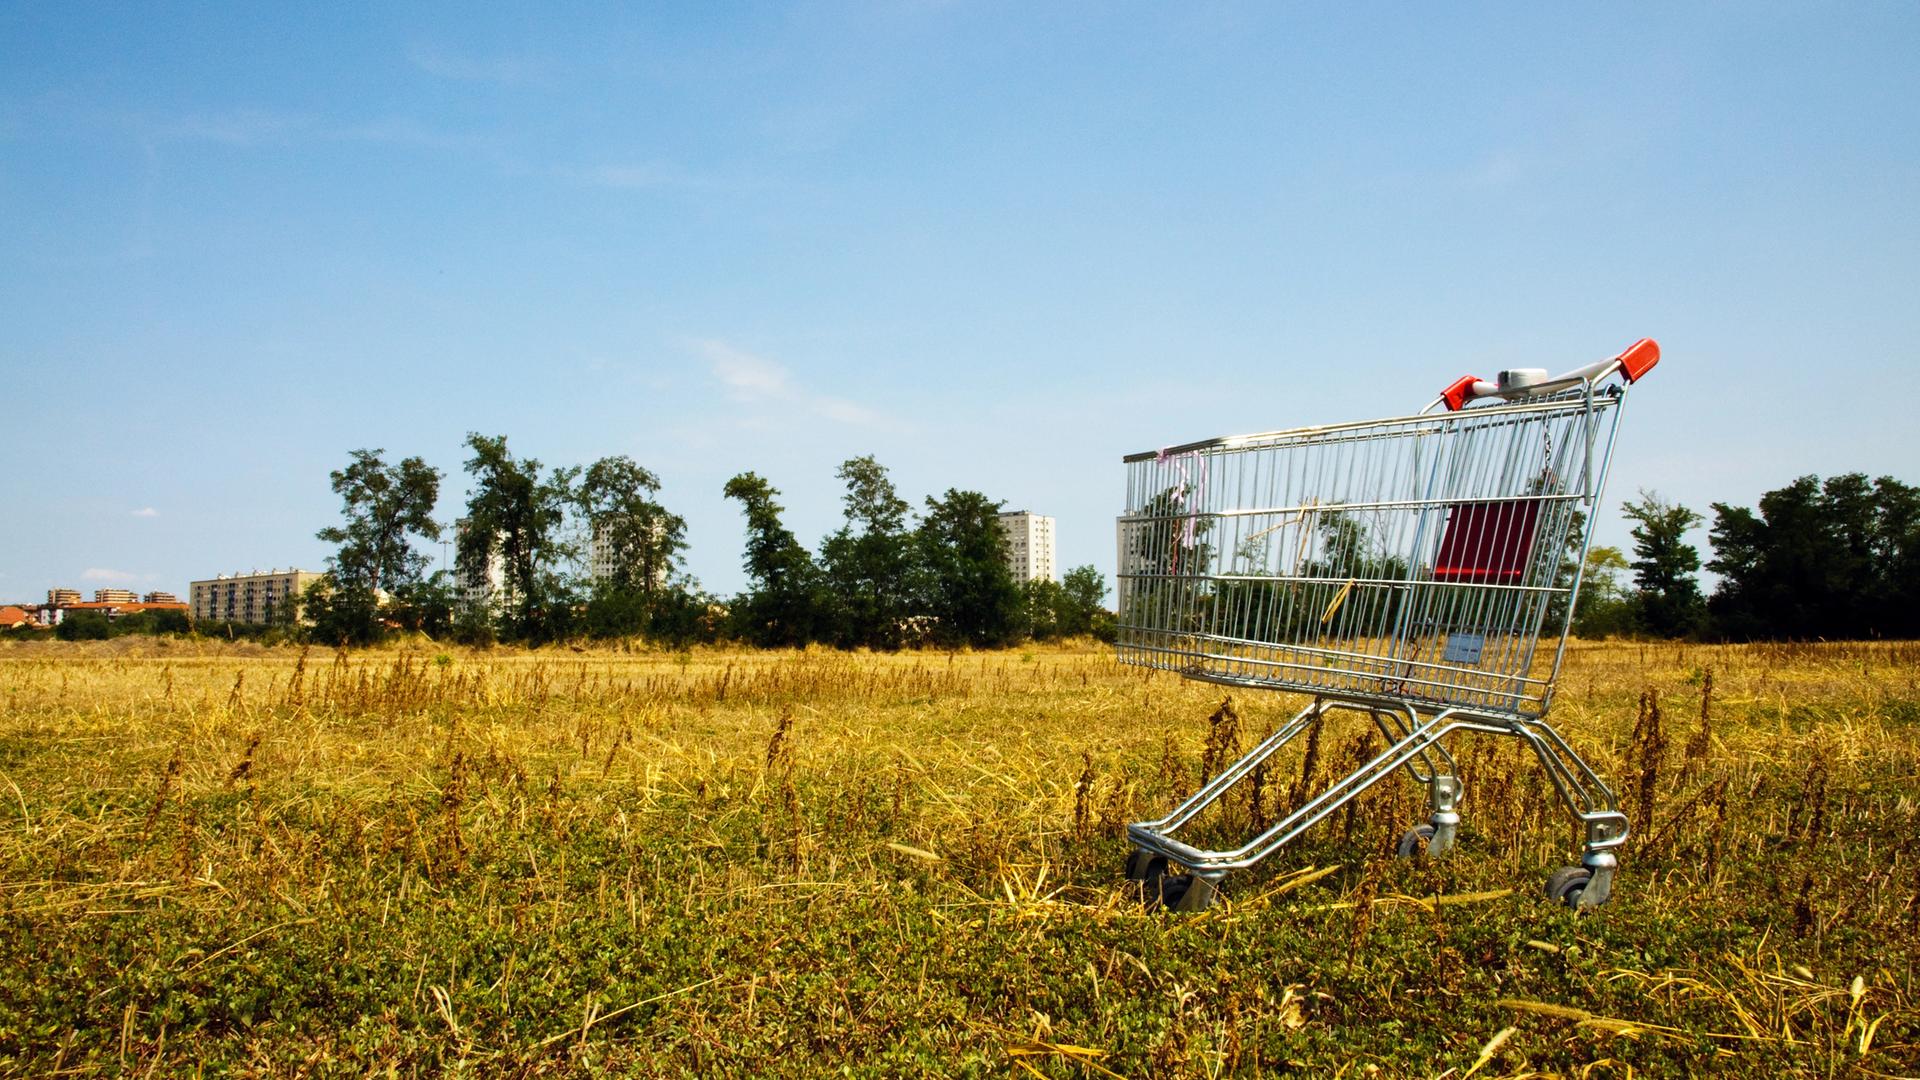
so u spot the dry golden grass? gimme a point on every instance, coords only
(421, 860)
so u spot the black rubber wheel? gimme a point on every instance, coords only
(1157, 889)
(1145, 873)
(1567, 883)
(1138, 863)
(1173, 889)
(1415, 841)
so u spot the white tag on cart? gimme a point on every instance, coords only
(1463, 648)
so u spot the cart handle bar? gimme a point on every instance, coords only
(1637, 360)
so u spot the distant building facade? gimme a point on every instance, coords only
(488, 588)
(112, 603)
(1029, 540)
(249, 598)
(601, 556)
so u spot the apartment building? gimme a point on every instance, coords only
(115, 596)
(249, 598)
(160, 598)
(601, 555)
(62, 597)
(487, 589)
(1029, 540)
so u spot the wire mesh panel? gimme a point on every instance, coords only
(1418, 558)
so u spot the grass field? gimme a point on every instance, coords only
(411, 862)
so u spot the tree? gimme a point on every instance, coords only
(1041, 601)
(514, 514)
(83, 626)
(637, 541)
(1083, 594)
(1564, 570)
(1605, 607)
(683, 614)
(383, 506)
(1664, 564)
(967, 587)
(867, 565)
(636, 545)
(426, 606)
(782, 608)
(1833, 560)
(1162, 546)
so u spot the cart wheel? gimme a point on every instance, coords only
(1173, 889)
(1415, 841)
(1159, 890)
(1145, 873)
(1138, 863)
(1567, 883)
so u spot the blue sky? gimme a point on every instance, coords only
(996, 245)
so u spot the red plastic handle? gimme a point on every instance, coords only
(1459, 393)
(1639, 358)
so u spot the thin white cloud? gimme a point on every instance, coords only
(460, 67)
(96, 573)
(751, 379)
(146, 512)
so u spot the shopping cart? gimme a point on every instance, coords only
(1405, 569)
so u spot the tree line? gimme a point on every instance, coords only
(546, 554)
(1833, 559)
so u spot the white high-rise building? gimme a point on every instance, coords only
(487, 590)
(600, 554)
(1029, 538)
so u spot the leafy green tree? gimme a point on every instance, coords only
(637, 538)
(1664, 565)
(1041, 603)
(1083, 596)
(1833, 560)
(867, 565)
(684, 614)
(636, 544)
(427, 606)
(1162, 550)
(1605, 608)
(516, 513)
(334, 616)
(968, 587)
(782, 607)
(1564, 571)
(171, 622)
(383, 507)
(83, 625)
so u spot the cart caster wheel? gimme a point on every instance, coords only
(1567, 883)
(1173, 889)
(1139, 864)
(1415, 841)
(1158, 890)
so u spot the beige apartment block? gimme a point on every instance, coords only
(249, 598)
(62, 597)
(1029, 540)
(115, 596)
(161, 598)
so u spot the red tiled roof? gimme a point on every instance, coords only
(128, 607)
(12, 616)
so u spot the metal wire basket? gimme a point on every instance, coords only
(1420, 569)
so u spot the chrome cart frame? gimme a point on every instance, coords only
(1405, 568)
